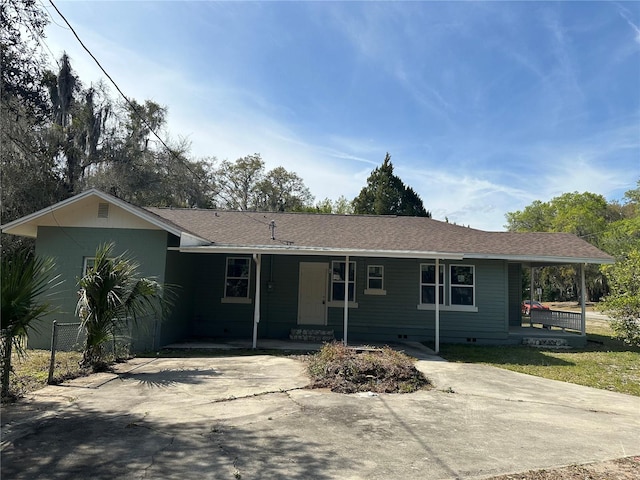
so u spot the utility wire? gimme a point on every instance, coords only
(51, 16)
(133, 107)
(39, 41)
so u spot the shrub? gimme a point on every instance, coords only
(345, 370)
(623, 302)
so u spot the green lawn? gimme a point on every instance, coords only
(604, 363)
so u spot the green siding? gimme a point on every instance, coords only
(515, 294)
(396, 316)
(199, 287)
(179, 277)
(212, 318)
(280, 301)
(389, 317)
(69, 246)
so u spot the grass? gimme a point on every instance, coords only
(31, 371)
(346, 370)
(605, 363)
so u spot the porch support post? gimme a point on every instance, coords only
(531, 298)
(346, 299)
(583, 305)
(437, 349)
(257, 257)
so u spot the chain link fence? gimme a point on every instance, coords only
(69, 337)
(65, 337)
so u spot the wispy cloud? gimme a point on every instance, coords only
(484, 108)
(624, 13)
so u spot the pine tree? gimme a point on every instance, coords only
(386, 194)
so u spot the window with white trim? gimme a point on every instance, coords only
(237, 277)
(375, 280)
(457, 287)
(462, 285)
(339, 278)
(87, 263)
(428, 284)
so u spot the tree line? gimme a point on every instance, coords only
(60, 137)
(612, 226)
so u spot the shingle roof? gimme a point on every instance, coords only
(376, 233)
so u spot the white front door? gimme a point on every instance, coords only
(312, 293)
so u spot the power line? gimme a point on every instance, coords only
(51, 16)
(36, 37)
(133, 107)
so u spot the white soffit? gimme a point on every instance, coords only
(87, 210)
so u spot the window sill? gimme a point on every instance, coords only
(448, 308)
(374, 291)
(340, 304)
(235, 300)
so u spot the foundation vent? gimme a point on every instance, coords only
(103, 210)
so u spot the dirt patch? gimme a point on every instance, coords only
(621, 469)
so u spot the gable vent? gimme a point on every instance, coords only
(103, 210)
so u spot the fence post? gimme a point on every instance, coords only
(54, 333)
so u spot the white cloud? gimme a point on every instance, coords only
(463, 199)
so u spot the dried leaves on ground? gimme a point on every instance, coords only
(30, 372)
(381, 370)
(621, 469)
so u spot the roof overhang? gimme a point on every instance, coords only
(314, 251)
(324, 251)
(541, 260)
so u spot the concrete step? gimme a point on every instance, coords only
(311, 335)
(548, 342)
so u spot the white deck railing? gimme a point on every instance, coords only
(554, 318)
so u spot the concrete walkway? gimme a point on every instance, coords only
(250, 417)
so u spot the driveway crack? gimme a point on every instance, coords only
(260, 394)
(216, 435)
(538, 402)
(157, 452)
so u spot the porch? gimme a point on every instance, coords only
(550, 328)
(414, 349)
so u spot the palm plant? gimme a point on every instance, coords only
(27, 283)
(112, 294)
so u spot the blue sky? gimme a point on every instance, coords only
(484, 107)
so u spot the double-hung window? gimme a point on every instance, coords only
(236, 282)
(456, 287)
(339, 278)
(375, 280)
(462, 285)
(428, 284)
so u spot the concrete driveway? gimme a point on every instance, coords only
(252, 418)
